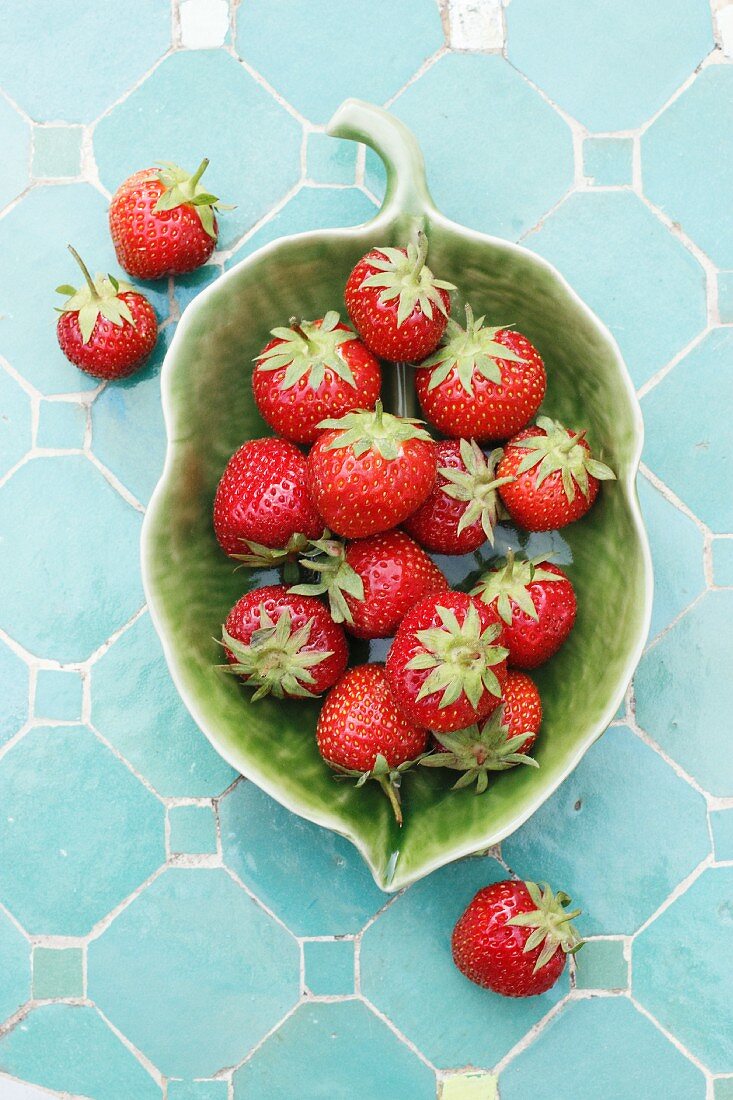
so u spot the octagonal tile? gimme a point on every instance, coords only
(68, 851)
(194, 972)
(254, 148)
(136, 707)
(289, 44)
(15, 139)
(83, 574)
(15, 422)
(15, 967)
(14, 693)
(610, 68)
(699, 467)
(313, 879)
(412, 937)
(639, 279)
(621, 798)
(684, 692)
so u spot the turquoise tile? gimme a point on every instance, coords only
(689, 949)
(723, 562)
(128, 433)
(329, 160)
(90, 584)
(723, 1088)
(610, 70)
(57, 972)
(677, 555)
(198, 1090)
(601, 965)
(699, 467)
(15, 422)
(71, 1049)
(684, 692)
(15, 967)
(56, 152)
(313, 879)
(15, 139)
(725, 296)
(334, 1050)
(195, 949)
(14, 692)
(687, 163)
(192, 829)
(63, 867)
(601, 1048)
(607, 161)
(47, 53)
(499, 171)
(622, 797)
(58, 694)
(641, 281)
(721, 824)
(407, 971)
(315, 61)
(329, 967)
(188, 287)
(255, 158)
(61, 425)
(134, 700)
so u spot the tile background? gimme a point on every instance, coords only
(166, 931)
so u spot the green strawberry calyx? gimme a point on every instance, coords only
(554, 449)
(327, 558)
(98, 297)
(389, 779)
(550, 924)
(403, 274)
(182, 188)
(374, 430)
(460, 657)
(478, 750)
(275, 657)
(509, 584)
(267, 557)
(473, 350)
(307, 350)
(477, 485)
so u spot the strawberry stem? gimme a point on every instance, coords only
(422, 253)
(394, 798)
(297, 326)
(85, 272)
(199, 172)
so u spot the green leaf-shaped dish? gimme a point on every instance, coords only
(210, 411)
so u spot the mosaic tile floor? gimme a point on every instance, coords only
(166, 931)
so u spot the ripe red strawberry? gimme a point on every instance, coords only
(514, 938)
(481, 383)
(362, 733)
(536, 601)
(460, 513)
(310, 371)
(162, 221)
(284, 645)
(502, 741)
(262, 503)
(369, 471)
(447, 665)
(106, 329)
(371, 583)
(396, 304)
(555, 476)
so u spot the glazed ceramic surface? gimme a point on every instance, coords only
(210, 411)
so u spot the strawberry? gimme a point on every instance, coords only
(481, 383)
(310, 371)
(460, 513)
(447, 665)
(514, 938)
(536, 601)
(262, 503)
(396, 304)
(369, 471)
(284, 645)
(162, 222)
(555, 477)
(502, 741)
(106, 329)
(362, 733)
(371, 583)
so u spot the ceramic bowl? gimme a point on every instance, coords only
(210, 411)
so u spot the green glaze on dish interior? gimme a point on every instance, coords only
(210, 411)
